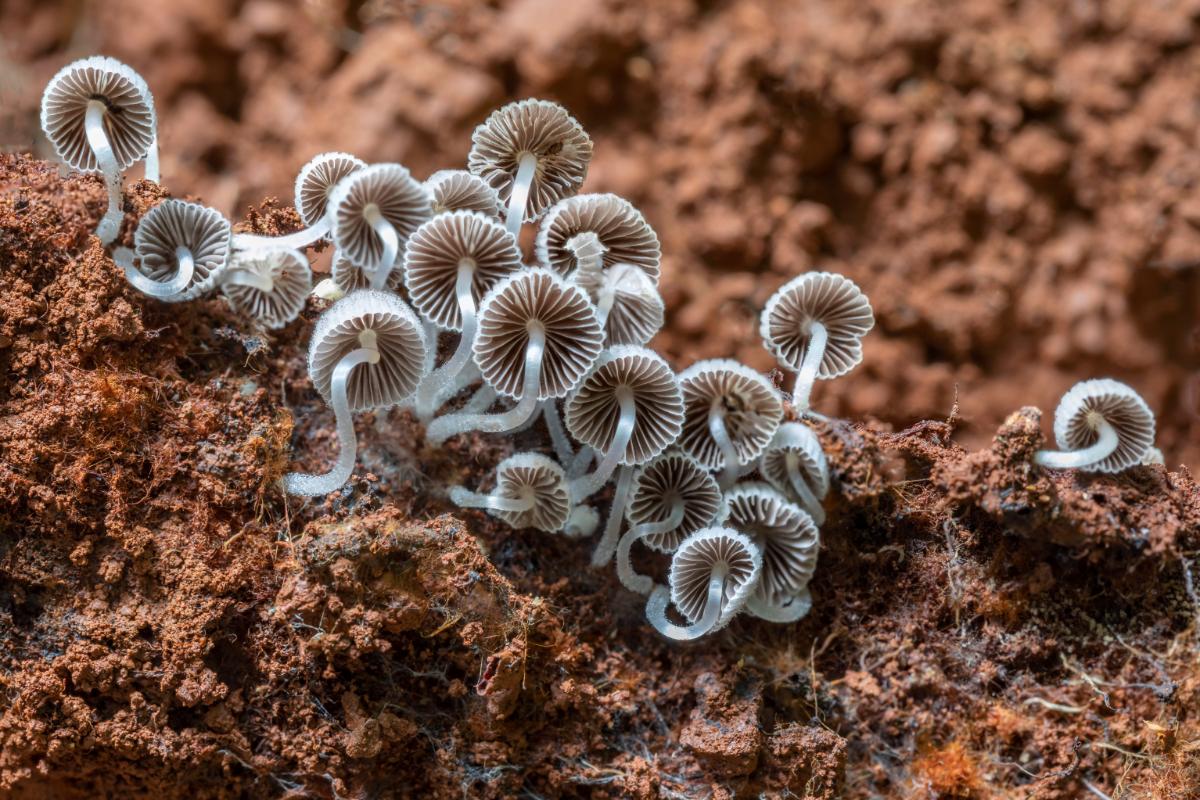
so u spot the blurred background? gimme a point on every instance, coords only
(1014, 184)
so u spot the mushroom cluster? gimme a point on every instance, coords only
(708, 465)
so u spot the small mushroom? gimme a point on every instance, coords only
(450, 262)
(672, 497)
(531, 492)
(618, 227)
(537, 337)
(731, 414)
(1101, 426)
(534, 154)
(795, 464)
(99, 116)
(314, 186)
(788, 539)
(459, 190)
(814, 325)
(367, 351)
(182, 248)
(713, 574)
(348, 276)
(269, 286)
(629, 306)
(373, 211)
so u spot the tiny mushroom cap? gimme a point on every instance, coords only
(528, 299)
(178, 238)
(795, 464)
(443, 244)
(317, 180)
(375, 196)
(707, 552)
(832, 300)
(459, 190)
(620, 228)
(594, 407)
(660, 483)
(1101, 426)
(378, 320)
(785, 533)
(746, 402)
(534, 477)
(270, 286)
(635, 308)
(348, 276)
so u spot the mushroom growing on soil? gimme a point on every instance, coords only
(181, 250)
(534, 154)
(450, 262)
(314, 186)
(531, 492)
(367, 352)
(1100, 425)
(731, 413)
(620, 230)
(459, 190)
(814, 325)
(713, 573)
(537, 337)
(673, 496)
(99, 116)
(795, 464)
(270, 286)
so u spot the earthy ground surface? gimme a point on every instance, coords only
(1014, 185)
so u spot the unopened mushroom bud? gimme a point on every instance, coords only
(269, 286)
(459, 190)
(795, 464)
(1101, 426)
(531, 492)
(180, 248)
(713, 573)
(314, 187)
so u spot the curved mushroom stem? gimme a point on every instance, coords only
(436, 383)
(159, 289)
(443, 428)
(588, 485)
(808, 498)
(1104, 446)
(616, 515)
(656, 611)
(465, 498)
(813, 354)
(391, 245)
(292, 241)
(312, 485)
(579, 465)
(797, 608)
(151, 166)
(93, 126)
(481, 401)
(248, 277)
(558, 435)
(720, 435)
(643, 584)
(519, 197)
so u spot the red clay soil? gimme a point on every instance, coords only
(1014, 186)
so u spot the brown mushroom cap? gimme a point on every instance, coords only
(1077, 415)
(593, 408)
(543, 129)
(292, 279)
(536, 297)
(637, 311)
(752, 410)
(129, 120)
(176, 223)
(316, 182)
(459, 190)
(533, 475)
(783, 531)
(832, 300)
(621, 229)
(401, 201)
(665, 478)
(693, 564)
(798, 441)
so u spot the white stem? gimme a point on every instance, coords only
(616, 514)
(391, 245)
(720, 435)
(588, 485)
(313, 485)
(656, 611)
(438, 382)
(558, 435)
(800, 486)
(151, 167)
(643, 584)
(519, 197)
(93, 126)
(813, 355)
(481, 401)
(158, 289)
(464, 498)
(248, 277)
(1077, 459)
(292, 241)
(443, 428)
(579, 465)
(589, 259)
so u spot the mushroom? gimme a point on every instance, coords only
(788, 538)
(534, 154)
(713, 574)
(531, 492)
(731, 413)
(795, 464)
(99, 116)
(450, 262)
(268, 285)
(672, 496)
(367, 351)
(182, 249)
(459, 190)
(1101, 425)
(537, 336)
(629, 408)
(612, 222)
(348, 276)
(629, 306)
(314, 186)
(373, 211)
(814, 325)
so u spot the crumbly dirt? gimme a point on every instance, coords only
(1013, 185)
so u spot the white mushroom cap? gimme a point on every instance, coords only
(593, 408)
(1087, 402)
(621, 229)
(665, 478)
(752, 410)
(439, 246)
(543, 129)
(798, 441)
(129, 120)
(695, 560)
(400, 199)
(349, 276)
(785, 533)
(176, 223)
(459, 190)
(397, 334)
(832, 300)
(316, 182)
(536, 297)
(637, 310)
(291, 277)
(535, 476)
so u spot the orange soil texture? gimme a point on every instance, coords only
(1014, 186)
